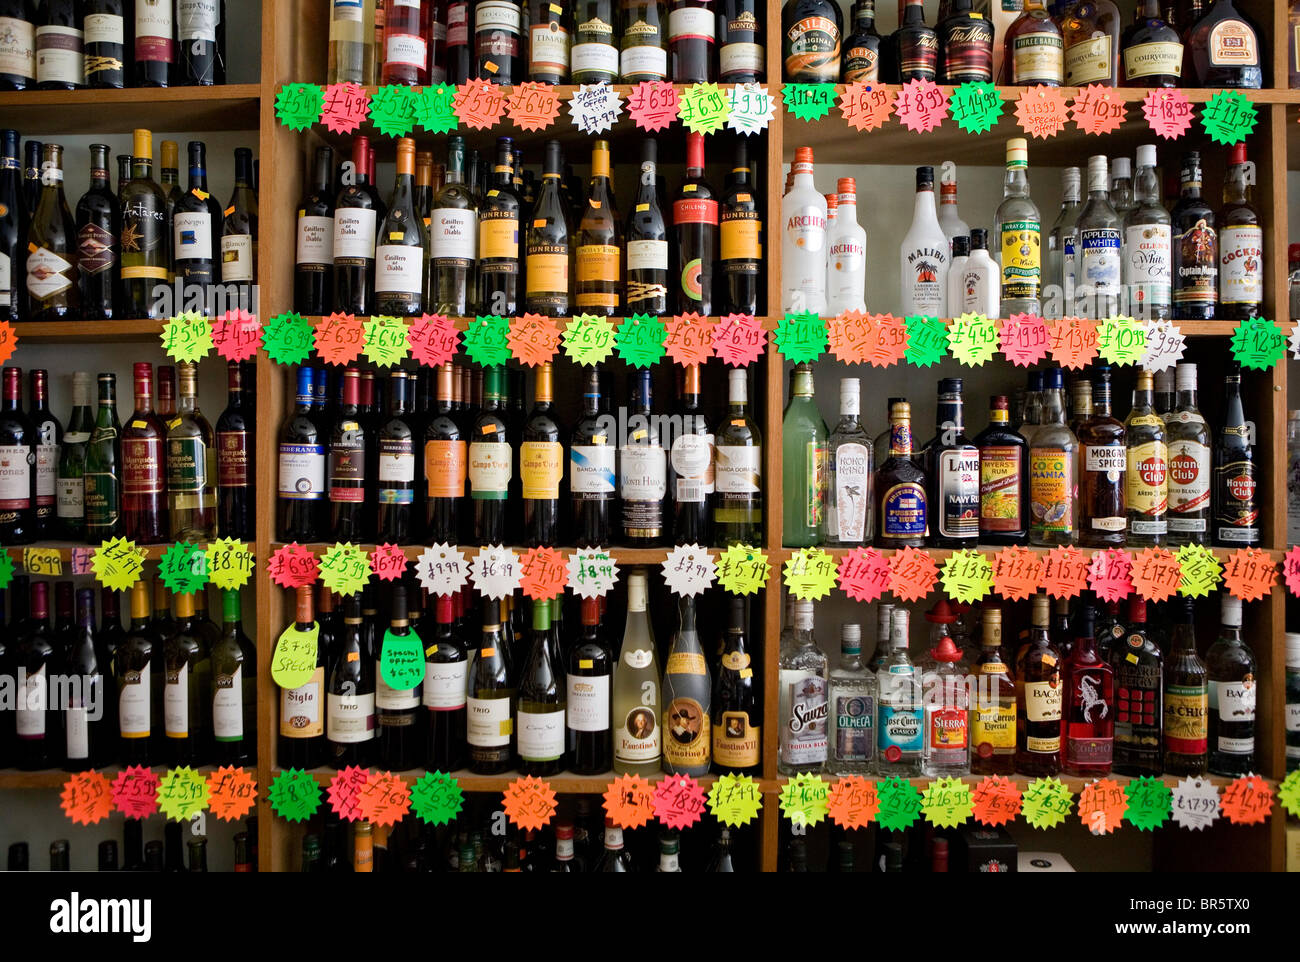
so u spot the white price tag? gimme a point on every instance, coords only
(689, 569)
(1195, 803)
(592, 572)
(495, 571)
(1165, 346)
(442, 569)
(752, 108)
(595, 108)
(1294, 341)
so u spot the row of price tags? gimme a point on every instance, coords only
(118, 563)
(179, 793)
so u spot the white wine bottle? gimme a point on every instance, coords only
(688, 697)
(637, 737)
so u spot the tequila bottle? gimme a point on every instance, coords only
(803, 705)
(851, 717)
(900, 712)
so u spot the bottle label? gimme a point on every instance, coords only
(689, 732)
(959, 491)
(444, 685)
(237, 258)
(861, 65)
(947, 729)
(232, 459)
(32, 702)
(739, 59)
(855, 732)
(47, 463)
(491, 466)
(903, 511)
(406, 49)
(690, 23)
(1051, 489)
(71, 499)
(700, 211)
(1292, 720)
(968, 52)
(354, 234)
(1148, 266)
(692, 460)
(1137, 701)
(1189, 483)
(638, 736)
(994, 729)
(192, 235)
(302, 471)
(594, 58)
(76, 731)
(1160, 59)
(18, 47)
(596, 263)
(59, 56)
(1107, 459)
(591, 469)
(1196, 266)
(395, 700)
(498, 236)
(497, 15)
(315, 240)
(736, 741)
(1100, 260)
(133, 703)
(813, 50)
(445, 468)
(453, 236)
(847, 516)
(1235, 703)
(739, 236)
(457, 23)
(6, 268)
(197, 20)
(1186, 719)
(187, 471)
(142, 460)
(350, 718)
(101, 501)
(648, 255)
(548, 48)
(1232, 44)
(1241, 265)
(902, 729)
(1022, 270)
(1000, 489)
(1146, 483)
(153, 31)
(1088, 61)
(547, 273)
(1236, 514)
(588, 703)
(924, 280)
(347, 468)
(644, 473)
(300, 715)
(541, 466)
(228, 706)
(803, 731)
(399, 269)
(541, 735)
(815, 475)
(1037, 58)
(643, 61)
(48, 274)
(176, 702)
(1043, 701)
(737, 469)
(396, 462)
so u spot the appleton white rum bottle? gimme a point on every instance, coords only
(637, 735)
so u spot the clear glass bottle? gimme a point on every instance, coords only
(803, 697)
(951, 222)
(1020, 236)
(1063, 249)
(1121, 185)
(852, 709)
(638, 731)
(947, 715)
(849, 475)
(1053, 450)
(803, 470)
(1100, 241)
(1188, 438)
(1147, 479)
(1148, 245)
(900, 713)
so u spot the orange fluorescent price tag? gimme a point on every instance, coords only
(1155, 574)
(1101, 806)
(340, 338)
(231, 793)
(866, 106)
(629, 801)
(690, 339)
(912, 574)
(543, 572)
(1247, 801)
(846, 336)
(87, 798)
(384, 798)
(533, 339)
(1065, 572)
(1016, 572)
(529, 802)
(853, 802)
(1073, 341)
(1249, 574)
(997, 800)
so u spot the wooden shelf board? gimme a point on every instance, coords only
(153, 552)
(623, 556)
(40, 113)
(781, 555)
(88, 332)
(566, 783)
(56, 778)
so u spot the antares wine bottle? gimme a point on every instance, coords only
(51, 254)
(300, 743)
(313, 279)
(637, 721)
(144, 232)
(356, 217)
(546, 244)
(498, 237)
(97, 239)
(301, 470)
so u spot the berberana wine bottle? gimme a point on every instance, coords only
(301, 468)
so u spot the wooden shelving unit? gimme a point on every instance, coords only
(294, 48)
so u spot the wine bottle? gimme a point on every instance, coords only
(234, 689)
(740, 239)
(144, 230)
(637, 731)
(541, 465)
(548, 42)
(169, 180)
(12, 219)
(144, 508)
(497, 28)
(692, 47)
(197, 224)
(355, 220)
(17, 465)
(498, 238)
(52, 287)
(36, 716)
(350, 698)
(60, 63)
(104, 29)
(70, 498)
(300, 743)
(491, 464)
(695, 221)
(595, 50)
(302, 468)
(401, 260)
(352, 41)
(643, 48)
(589, 672)
(737, 470)
(399, 738)
(598, 241)
(96, 221)
(546, 244)
(155, 46)
(444, 464)
(540, 712)
(313, 276)
(458, 57)
(134, 663)
(47, 436)
(490, 700)
(234, 500)
(646, 250)
(592, 467)
(687, 699)
(406, 49)
(191, 466)
(443, 692)
(737, 711)
(239, 235)
(396, 469)
(643, 468)
(102, 478)
(87, 741)
(347, 464)
(17, 45)
(187, 688)
(34, 155)
(690, 464)
(200, 36)
(741, 58)
(453, 237)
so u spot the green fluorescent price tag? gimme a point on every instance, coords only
(1046, 803)
(1150, 803)
(436, 798)
(588, 339)
(804, 799)
(1228, 117)
(6, 569)
(640, 340)
(809, 101)
(184, 568)
(392, 110)
(974, 339)
(743, 569)
(1199, 570)
(703, 108)
(1258, 343)
(900, 803)
(298, 106)
(434, 111)
(288, 338)
(182, 793)
(487, 340)
(294, 795)
(1122, 340)
(386, 342)
(1288, 793)
(401, 661)
(801, 338)
(735, 799)
(977, 107)
(294, 660)
(187, 337)
(947, 803)
(927, 340)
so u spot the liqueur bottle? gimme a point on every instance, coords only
(1224, 48)
(1196, 247)
(966, 42)
(1053, 452)
(993, 716)
(1151, 51)
(915, 46)
(1034, 49)
(1089, 722)
(811, 37)
(1091, 35)
(850, 499)
(1039, 690)
(1241, 241)
(1231, 667)
(1103, 471)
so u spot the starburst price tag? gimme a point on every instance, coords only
(495, 571)
(436, 798)
(704, 108)
(288, 338)
(1165, 346)
(435, 109)
(533, 106)
(487, 340)
(866, 106)
(977, 107)
(533, 339)
(1258, 343)
(183, 568)
(750, 108)
(743, 569)
(739, 340)
(997, 800)
(1110, 574)
(1288, 793)
(1168, 112)
(6, 569)
(187, 337)
(801, 338)
(1121, 340)
(588, 339)
(1195, 803)
(629, 801)
(653, 105)
(804, 799)
(1199, 569)
(1024, 339)
(1228, 117)
(689, 339)
(973, 339)
(1046, 803)
(87, 798)
(852, 802)
(236, 335)
(1249, 574)
(595, 108)
(386, 342)
(886, 340)
(480, 104)
(1097, 109)
(344, 568)
(921, 105)
(1101, 806)
(912, 574)
(1041, 111)
(640, 340)
(735, 799)
(231, 793)
(543, 572)
(442, 570)
(864, 574)
(339, 338)
(1155, 574)
(689, 570)
(8, 341)
(433, 339)
(592, 572)
(967, 576)
(679, 801)
(392, 110)
(344, 789)
(388, 562)
(1074, 341)
(810, 574)
(847, 336)
(182, 793)
(1247, 801)
(1148, 803)
(384, 798)
(294, 795)
(230, 563)
(1290, 569)
(298, 106)
(293, 566)
(346, 106)
(529, 802)
(900, 803)
(1065, 572)
(118, 563)
(135, 792)
(947, 803)
(927, 340)
(808, 102)
(1017, 572)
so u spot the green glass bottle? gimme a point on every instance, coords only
(234, 689)
(187, 689)
(803, 470)
(102, 479)
(144, 234)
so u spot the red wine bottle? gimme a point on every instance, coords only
(313, 275)
(18, 27)
(144, 503)
(11, 234)
(396, 476)
(301, 469)
(97, 244)
(443, 693)
(234, 462)
(36, 718)
(695, 219)
(347, 465)
(17, 465)
(88, 742)
(155, 44)
(740, 253)
(47, 436)
(692, 46)
(356, 214)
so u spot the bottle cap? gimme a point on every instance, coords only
(948, 173)
(847, 185)
(979, 239)
(1185, 377)
(803, 614)
(925, 178)
(1293, 650)
(850, 639)
(1146, 155)
(1098, 173)
(941, 613)
(1052, 380)
(1035, 380)
(832, 201)
(961, 245)
(803, 155)
(1017, 152)
(1119, 168)
(1237, 155)
(850, 387)
(1165, 381)
(1231, 616)
(1137, 609)
(949, 385)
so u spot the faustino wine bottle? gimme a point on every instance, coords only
(638, 731)
(687, 699)
(695, 221)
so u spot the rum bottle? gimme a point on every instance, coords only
(1189, 464)
(1235, 507)
(900, 487)
(1103, 474)
(1230, 665)
(1147, 478)
(1138, 664)
(1039, 690)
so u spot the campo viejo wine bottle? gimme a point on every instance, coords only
(301, 739)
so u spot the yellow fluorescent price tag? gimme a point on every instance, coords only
(42, 561)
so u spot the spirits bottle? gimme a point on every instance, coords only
(300, 742)
(952, 471)
(546, 244)
(810, 45)
(740, 238)
(852, 709)
(687, 699)
(646, 250)
(643, 47)
(1137, 662)
(599, 239)
(498, 25)
(498, 238)
(1224, 48)
(846, 244)
(1039, 691)
(978, 284)
(592, 475)
(1165, 394)
(1052, 463)
(1034, 49)
(1152, 53)
(850, 500)
(923, 255)
(966, 42)
(191, 466)
(1003, 486)
(1196, 247)
(1099, 287)
(186, 665)
(1121, 186)
(914, 46)
(1147, 480)
(643, 468)
(900, 718)
(1241, 241)
(862, 48)
(900, 487)
(951, 222)
(406, 48)
(301, 468)
(1032, 416)
(1189, 465)
(692, 42)
(1105, 472)
(638, 723)
(588, 675)
(1148, 253)
(1089, 726)
(490, 466)
(741, 57)
(737, 470)
(803, 696)
(957, 269)
(1090, 32)
(595, 51)
(803, 240)
(1235, 504)
(804, 462)
(947, 716)
(52, 291)
(144, 508)
(1019, 229)
(993, 716)
(1186, 698)
(548, 42)
(1063, 249)
(695, 223)
(1231, 669)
